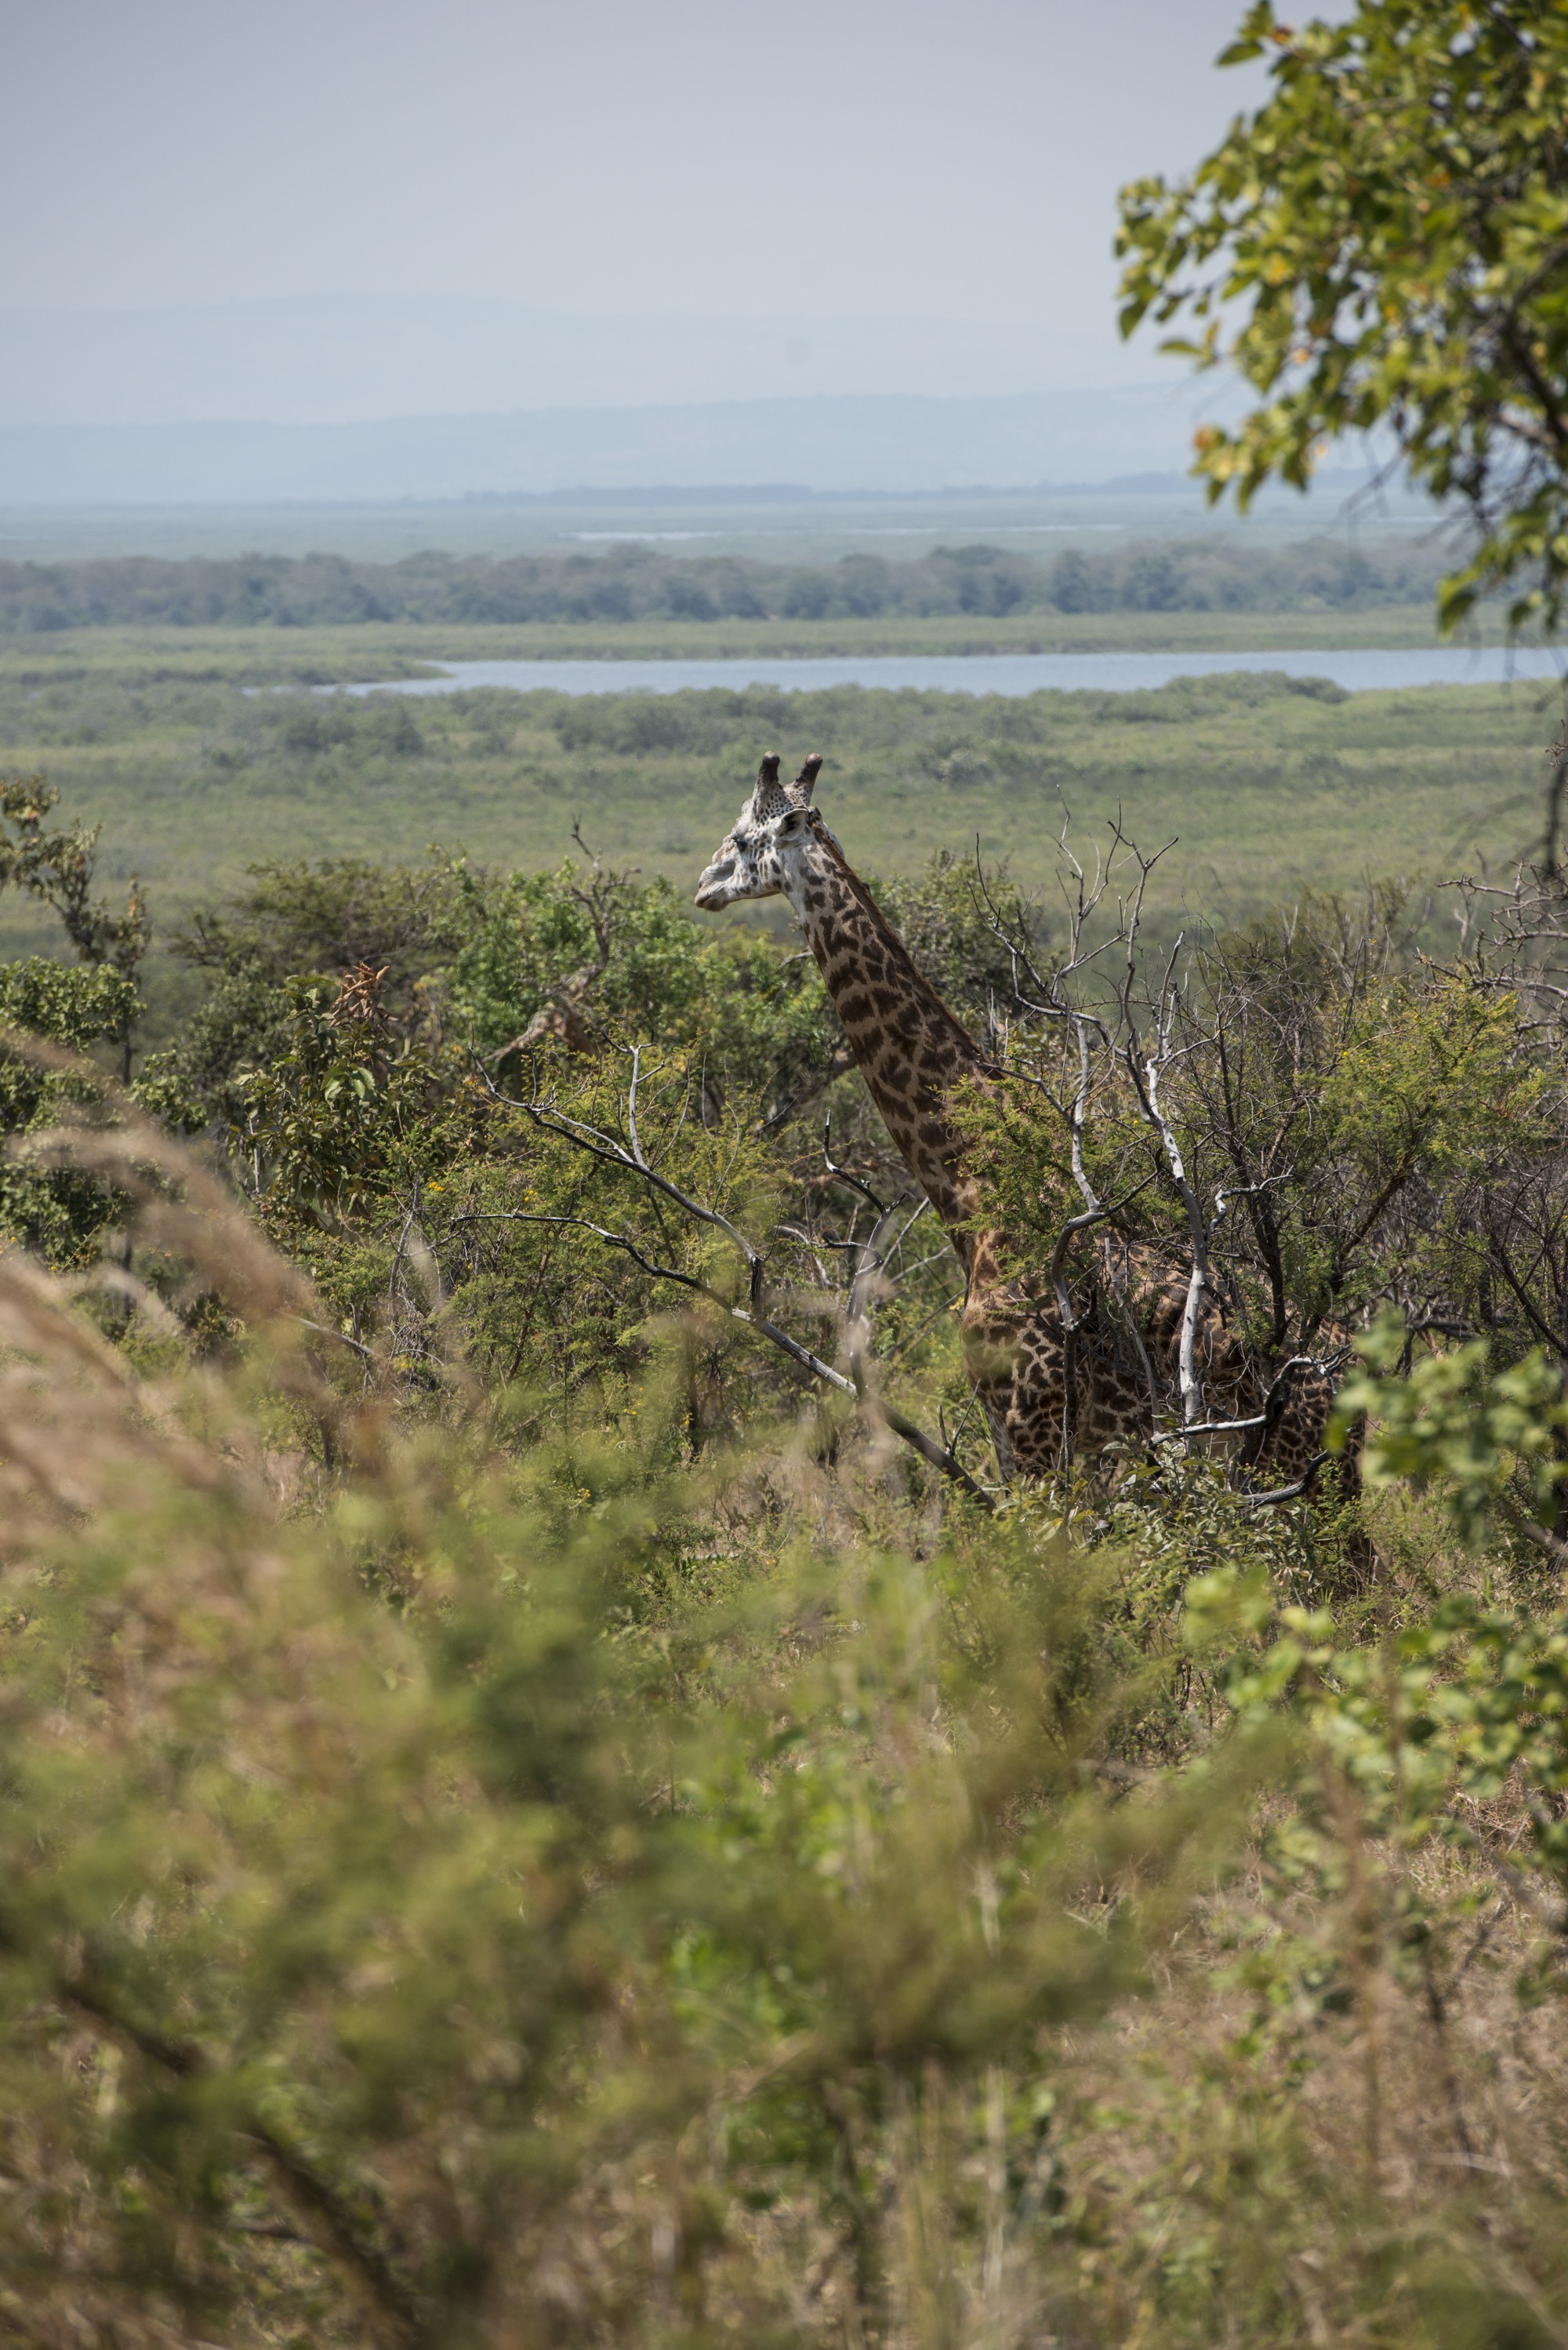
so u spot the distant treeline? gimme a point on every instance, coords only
(636, 583)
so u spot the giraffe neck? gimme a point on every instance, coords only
(911, 1050)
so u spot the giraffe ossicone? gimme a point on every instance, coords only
(1049, 1397)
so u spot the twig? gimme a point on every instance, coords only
(413, 1211)
(338, 1337)
(1210, 1428)
(1147, 1085)
(845, 1175)
(1283, 1493)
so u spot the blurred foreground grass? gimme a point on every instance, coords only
(458, 1895)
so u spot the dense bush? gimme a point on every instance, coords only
(523, 1820)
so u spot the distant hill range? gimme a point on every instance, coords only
(905, 441)
(376, 397)
(341, 359)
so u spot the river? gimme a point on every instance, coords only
(1359, 671)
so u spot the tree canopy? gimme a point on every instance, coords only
(1382, 248)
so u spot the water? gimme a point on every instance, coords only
(1359, 671)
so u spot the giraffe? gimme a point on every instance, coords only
(1049, 1395)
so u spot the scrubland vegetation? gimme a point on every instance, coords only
(366, 651)
(531, 1815)
(631, 584)
(549, 1793)
(199, 759)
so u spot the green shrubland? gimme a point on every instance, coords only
(549, 1794)
(198, 760)
(529, 1814)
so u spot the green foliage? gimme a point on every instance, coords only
(477, 1903)
(59, 1215)
(70, 1008)
(1426, 1088)
(420, 1887)
(521, 1818)
(1392, 226)
(292, 921)
(1361, 1112)
(1462, 1707)
(1384, 1104)
(58, 869)
(503, 1213)
(1432, 1073)
(943, 918)
(331, 1111)
(647, 970)
(1481, 1437)
(296, 915)
(619, 587)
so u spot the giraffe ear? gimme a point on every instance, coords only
(805, 782)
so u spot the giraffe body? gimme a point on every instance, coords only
(1049, 1395)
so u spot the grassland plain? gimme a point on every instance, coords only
(369, 650)
(164, 738)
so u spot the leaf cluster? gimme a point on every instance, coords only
(1381, 248)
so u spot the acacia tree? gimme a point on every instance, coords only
(1382, 247)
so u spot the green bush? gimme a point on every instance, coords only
(524, 1817)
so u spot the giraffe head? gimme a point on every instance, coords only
(777, 824)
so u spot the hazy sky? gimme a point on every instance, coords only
(839, 158)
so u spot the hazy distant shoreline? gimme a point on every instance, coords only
(871, 444)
